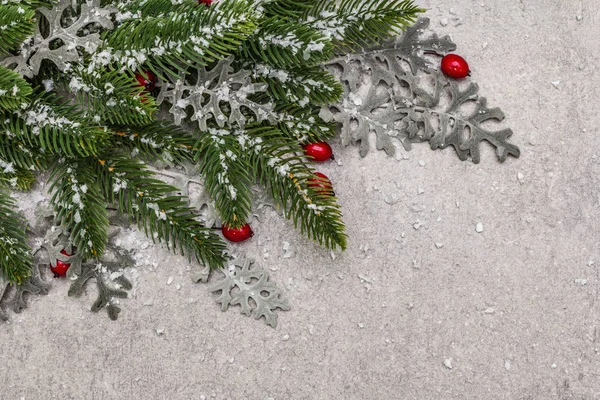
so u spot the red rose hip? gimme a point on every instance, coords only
(147, 79)
(319, 152)
(61, 267)
(237, 234)
(455, 66)
(320, 183)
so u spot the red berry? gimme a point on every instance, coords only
(237, 234)
(455, 66)
(61, 267)
(321, 183)
(205, 2)
(319, 152)
(147, 79)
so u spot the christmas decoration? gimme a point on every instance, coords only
(241, 87)
(319, 152)
(61, 267)
(240, 234)
(455, 66)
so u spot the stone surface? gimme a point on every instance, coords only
(541, 234)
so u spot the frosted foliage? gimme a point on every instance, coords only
(397, 93)
(61, 36)
(219, 94)
(249, 286)
(110, 281)
(13, 296)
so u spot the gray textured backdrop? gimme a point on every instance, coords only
(513, 310)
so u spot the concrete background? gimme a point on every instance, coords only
(513, 310)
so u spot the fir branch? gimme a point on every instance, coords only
(303, 86)
(15, 254)
(18, 178)
(53, 126)
(292, 9)
(112, 96)
(189, 35)
(275, 162)
(304, 124)
(80, 206)
(357, 24)
(165, 217)
(158, 140)
(226, 172)
(285, 44)
(147, 8)
(14, 90)
(15, 154)
(16, 24)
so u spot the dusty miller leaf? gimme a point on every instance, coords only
(219, 94)
(108, 273)
(249, 286)
(66, 36)
(109, 280)
(389, 92)
(13, 296)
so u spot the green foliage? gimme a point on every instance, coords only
(114, 97)
(54, 127)
(21, 179)
(14, 90)
(80, 206)
(286, 44)
(186, 35)
(285, 174)
(223, 164)
(159, 140)
(16, 24)
(292, 9)
(164, 215)
(307, 85)
(356, 24)
(15, 254)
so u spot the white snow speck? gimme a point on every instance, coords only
(170, 280)
(448, 363)
(479, 227)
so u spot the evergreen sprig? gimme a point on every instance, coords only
(80, 206)
(187, 35)
(356, 24)
(15, 253)
(275, 161)
(16, 24)
(164, 216)
(14, 90)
